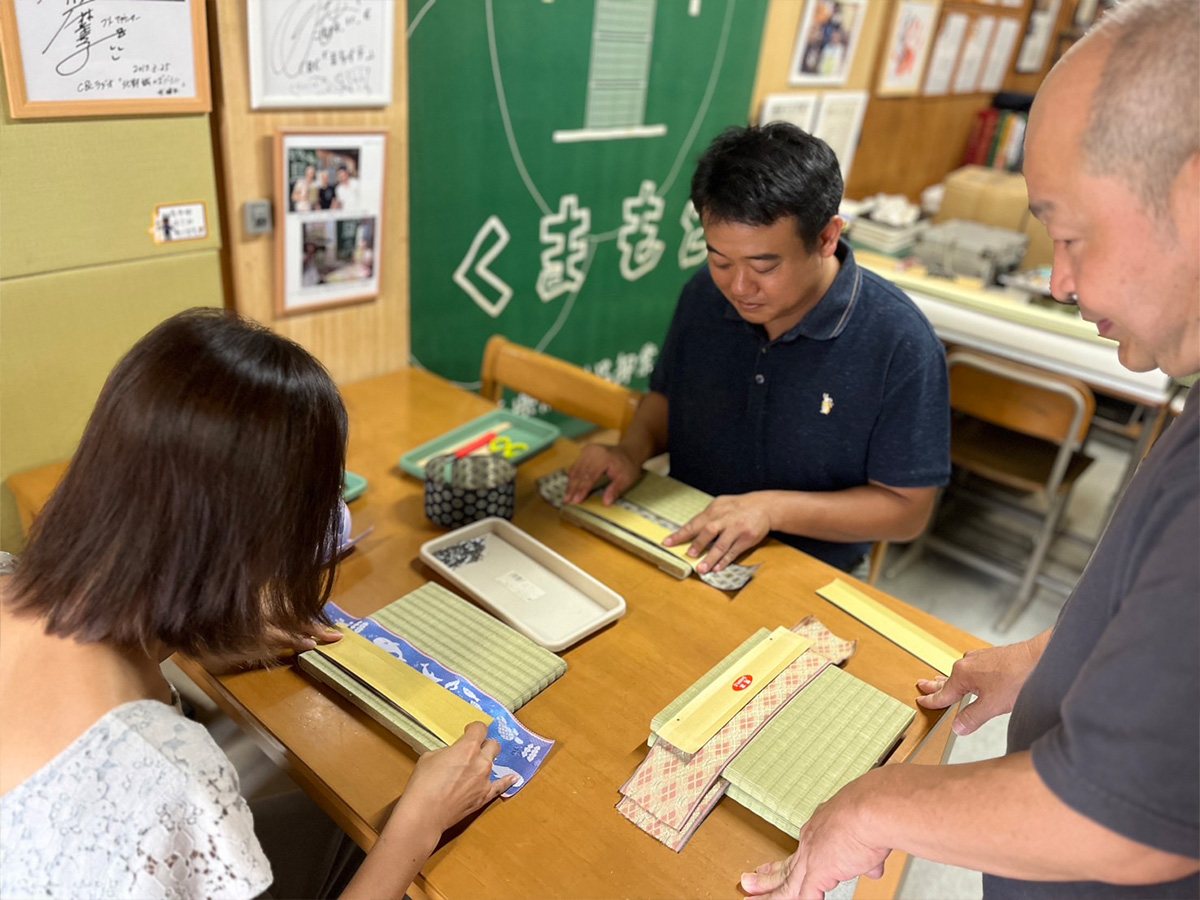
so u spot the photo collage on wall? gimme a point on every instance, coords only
(332, 210)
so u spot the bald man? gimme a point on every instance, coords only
(1098, 794)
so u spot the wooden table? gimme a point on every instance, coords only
(561, 836)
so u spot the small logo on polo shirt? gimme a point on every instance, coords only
(826, 404)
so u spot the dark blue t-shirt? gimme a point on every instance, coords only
(856, 392)
(1111, 713)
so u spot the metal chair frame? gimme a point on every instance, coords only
(1072, 441)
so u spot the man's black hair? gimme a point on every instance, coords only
(761, 174)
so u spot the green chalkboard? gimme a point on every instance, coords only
(552, 144)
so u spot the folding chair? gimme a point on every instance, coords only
(564, 387)
(1020, 429)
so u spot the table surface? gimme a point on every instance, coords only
(561, 836)
(997, 322)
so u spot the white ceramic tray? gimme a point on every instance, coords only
(523, 582)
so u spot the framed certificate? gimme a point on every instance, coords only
(116, 58)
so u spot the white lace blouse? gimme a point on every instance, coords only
(143, 804)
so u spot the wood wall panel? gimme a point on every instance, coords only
(910, 143)
(779, 42)
(907, 143)
(353, 342)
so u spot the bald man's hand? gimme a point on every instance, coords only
(995, 676)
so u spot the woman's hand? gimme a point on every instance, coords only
(446, 785)
(453, 782)
(274, 646)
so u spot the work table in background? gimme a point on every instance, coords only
(1006, 324)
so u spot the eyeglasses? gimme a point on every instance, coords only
(1072, 299)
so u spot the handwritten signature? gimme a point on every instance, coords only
(77, 23)
(350, 81)
(307, 28)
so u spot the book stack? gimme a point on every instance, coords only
(997, 140)
(893, 240)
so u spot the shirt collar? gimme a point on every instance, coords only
(828, 318)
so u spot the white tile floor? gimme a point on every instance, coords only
(967, 599)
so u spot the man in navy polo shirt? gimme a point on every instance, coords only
(807, 394)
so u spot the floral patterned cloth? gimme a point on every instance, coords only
(143, 804)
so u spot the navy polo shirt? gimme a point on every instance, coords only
(856, 392)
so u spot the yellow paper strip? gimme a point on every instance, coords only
(640, 526)
(430, 704)
(627, 540)
(739, 683)
(893, 626)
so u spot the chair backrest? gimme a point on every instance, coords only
(564, 387)
(1021, 398)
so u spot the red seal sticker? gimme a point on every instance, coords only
(742, 683)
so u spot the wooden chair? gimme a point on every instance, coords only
(878, 555)
(32, 488)
(564, 387)
(1020, 428)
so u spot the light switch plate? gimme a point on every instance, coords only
(258, 216)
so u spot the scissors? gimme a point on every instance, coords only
(506, 447)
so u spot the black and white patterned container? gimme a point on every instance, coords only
(461, 491)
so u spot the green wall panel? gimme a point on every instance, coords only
(509, 102)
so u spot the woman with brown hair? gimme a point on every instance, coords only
(200, 515)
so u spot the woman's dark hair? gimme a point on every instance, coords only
(761, 174)
(196, 510)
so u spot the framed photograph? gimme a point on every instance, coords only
(826, 42)
(116, 58)
(1000, 54)
(1088, 12)
(839, 124)
(314, 54)
(907, 47)
(945, 54)
(970, 64)
(798, 109)
(329, 217)
(1038, 31)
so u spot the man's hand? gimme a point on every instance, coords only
(596, 461)
(451, 783)
(729, 526)
(829, 852)
(994, 676)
